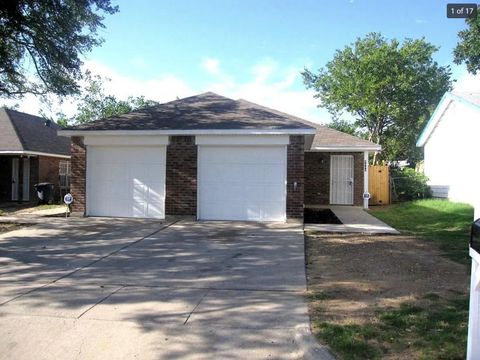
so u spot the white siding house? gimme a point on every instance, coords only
(451, 142)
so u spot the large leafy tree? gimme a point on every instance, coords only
(41, 42)
(468, 48)
(95, 103)
(390, 88)
(343, 126)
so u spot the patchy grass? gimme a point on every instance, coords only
(444, 222)
(436, 329)
(394, 297)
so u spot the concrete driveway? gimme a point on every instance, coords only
(104, 288)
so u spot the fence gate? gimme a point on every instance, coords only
(379, 184)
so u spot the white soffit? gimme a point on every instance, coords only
(126, 140)
(242, 140)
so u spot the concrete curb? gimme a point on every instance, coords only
(309, 347)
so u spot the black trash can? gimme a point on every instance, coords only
(45, 192)
(475, 236)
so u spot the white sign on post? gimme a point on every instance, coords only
(68, 199)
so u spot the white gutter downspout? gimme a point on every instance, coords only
(366, 195)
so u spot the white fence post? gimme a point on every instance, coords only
(473, 342)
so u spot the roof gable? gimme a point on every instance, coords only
(25, 132)
(9, 140)
(468, 99)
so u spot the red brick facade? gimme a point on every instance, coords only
(79, 170)
(48, 169)
(317, 178)
(295, 176)
(181, 176)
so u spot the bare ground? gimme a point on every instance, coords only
(352, 276)
(5, 227)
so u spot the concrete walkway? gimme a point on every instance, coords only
(125, 289)
(354, 220)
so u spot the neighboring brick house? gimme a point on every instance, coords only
(30, 152)
(213, 158)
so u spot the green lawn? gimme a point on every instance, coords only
(444, 222)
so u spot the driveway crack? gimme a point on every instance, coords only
(195, 308)
(100, 301)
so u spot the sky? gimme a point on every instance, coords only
(250, 49)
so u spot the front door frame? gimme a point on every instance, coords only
(348, 182)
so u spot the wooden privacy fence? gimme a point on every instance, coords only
(379, 184)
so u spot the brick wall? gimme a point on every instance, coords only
(317, 178)
(48, 172)
(295, 174)
(34, 179)
(77, 181)
(181, 176)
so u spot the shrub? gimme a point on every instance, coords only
(407, 184)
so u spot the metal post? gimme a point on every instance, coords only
(365, 179)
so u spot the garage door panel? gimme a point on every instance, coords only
(242, 183)
(126, 181)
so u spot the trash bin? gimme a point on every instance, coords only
(45, 192)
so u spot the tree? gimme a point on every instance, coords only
(385, 85)
(93, 103)
(468, 48)
(343, 126)
(41, 41)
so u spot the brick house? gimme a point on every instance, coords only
(30, 152)
(214, 158)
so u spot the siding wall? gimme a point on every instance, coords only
(452, 153)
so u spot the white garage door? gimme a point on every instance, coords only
(126, 181)
(242, 183)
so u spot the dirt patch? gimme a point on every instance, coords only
(352, 277)
(6, 227)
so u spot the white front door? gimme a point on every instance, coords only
(26, 180)
(242, 183)
(15, 164)
(341, 180)
(126, 181)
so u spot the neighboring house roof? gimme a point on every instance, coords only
(206, 111)
(22, 133)
(469, 99)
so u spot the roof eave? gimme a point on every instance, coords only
(345, 148)
(33, 153)
(432, 122)
(188, 132)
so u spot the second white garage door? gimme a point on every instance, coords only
(242, 183)
(126, 181)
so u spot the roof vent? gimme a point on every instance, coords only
(48, 122)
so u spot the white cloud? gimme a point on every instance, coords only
(283, 94)
(468, 83)
(211, 65)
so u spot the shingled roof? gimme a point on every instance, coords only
(21, 132)
(206, 111)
